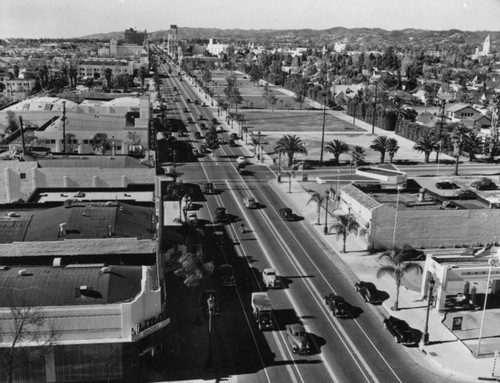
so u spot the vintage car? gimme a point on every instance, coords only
(208, 188)
(298, 339)
(368, 291)
(270, 278)
(484, 184)
(221, 214)
(337, 305)
(227, 277)
(401, 331)
(250, 202)
(209, 302)
(241, 160)
(286, 214)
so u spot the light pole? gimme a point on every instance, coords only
(323, 131)
(374, 108)
(492, 262)
(289, 182)
(279, 167)
(325, 229)
(210, 362)
(425, 337)
(337, 197)
(396, 218)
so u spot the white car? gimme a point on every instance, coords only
(250, 202)
(241, 160)
(270, 278)
(219, 129)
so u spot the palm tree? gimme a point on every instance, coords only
(425, 144)
(379, 144)
(357, 155)
(392, 148)
(345, 225)
(398, 104)
(397, 266)
(108, 72)
(318, 198)
(473, 144)
(337, 147)
(290, 145)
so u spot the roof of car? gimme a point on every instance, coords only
(297, 327)
(269, 270)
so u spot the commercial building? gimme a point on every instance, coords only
(173, 42)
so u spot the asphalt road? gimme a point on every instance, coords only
(357, 349)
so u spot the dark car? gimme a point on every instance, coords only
(227, 277)
(197, 135)
(337, 305)
(298, 339)
(286, 214)
(232, 143)
(209, 188)
(189, 120)
(484, 184)
(221, 214)
(203, 126)
(368, 291)
(196, 102)
(233, 136)
(465, 194)
(188, 100)
(446, 185)
(242, 169)
(401, 331)
(200, 117)
(214, 121)
(210, 301)
(186, 110)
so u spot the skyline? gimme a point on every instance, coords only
(41, 18)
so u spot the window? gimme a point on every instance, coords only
(118, 147)
(86, 142)
(22, 176)
(52, 141)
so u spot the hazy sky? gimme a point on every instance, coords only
(74, 18)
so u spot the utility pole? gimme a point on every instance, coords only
(64, 126)
(323, 131)
(21, 128)
(374, 108)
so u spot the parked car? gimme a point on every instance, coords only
(270, 278)
(196, 102)
(214, 121)
(189, 120)
(241, 160)
(219, 129)
(233, 136)
(446, 185)
(337, 305)
(209, 188)
(368, 291)
(197, 135)
(450, 205)
(227, 277)
(196, 153)
(250, 202)
(232, 143)
(209, 299)
(465, 194)
(286, 214)
(401, 331)
(484, 184)
(298, 339)
(301, 166)
(221, 214)
(203, 126)
(186, 110)
(188, 100)
(242, 169)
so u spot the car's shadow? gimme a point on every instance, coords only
(316, 343)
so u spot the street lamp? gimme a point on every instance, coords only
(493, 262)
(211, 305)
(323, 131)
(337, 190)
(374, 108)
(279, 167)
(396, 217)
(325, 229)
(289, 182)
(425, 337)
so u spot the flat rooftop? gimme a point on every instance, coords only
(68, 286)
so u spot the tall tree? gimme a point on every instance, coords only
(101, 143)
(425, 144)
(379, 144)
(337, 148)
(392, 148)
(357, 155)
(397, 266)
(30, 336)
(290, 145)
(345, 225)
(318, 199)
(108, 74)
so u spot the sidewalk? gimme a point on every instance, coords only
(446, 354)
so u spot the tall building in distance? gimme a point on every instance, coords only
(134, 37)
(173, 42)
(485, 50)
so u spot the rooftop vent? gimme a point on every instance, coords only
(62, 229)
(22, 273)
(85, 288)
(57, 262)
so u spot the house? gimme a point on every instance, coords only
(461, 112)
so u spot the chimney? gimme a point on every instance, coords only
(421, 195)
(62, 229)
